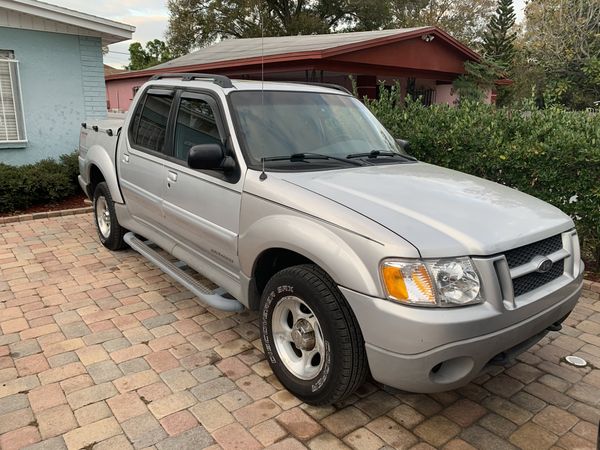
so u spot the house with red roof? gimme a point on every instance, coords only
(423, 60)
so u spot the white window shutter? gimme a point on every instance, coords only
(11, 118)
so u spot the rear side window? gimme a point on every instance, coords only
(150, 122)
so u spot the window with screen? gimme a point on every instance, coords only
(12, 120)
(196, 124)
(150, 122)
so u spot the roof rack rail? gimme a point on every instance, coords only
(220, 80)
(326, 85)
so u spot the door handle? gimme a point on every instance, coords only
(125, 158)
(172, 176)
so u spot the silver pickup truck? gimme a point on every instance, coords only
(297, 203)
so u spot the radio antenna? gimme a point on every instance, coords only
(262, 53)
(263, 175)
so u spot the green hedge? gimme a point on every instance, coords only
(552, 154)
(46, 181)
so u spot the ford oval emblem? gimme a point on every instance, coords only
(544, 265)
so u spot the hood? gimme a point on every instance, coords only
(442, 212)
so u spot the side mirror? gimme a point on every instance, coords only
(404, 145)
(209, 157)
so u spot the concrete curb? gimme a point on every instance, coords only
(45, 215)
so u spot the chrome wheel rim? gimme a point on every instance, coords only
(103, 216)
(298, 337)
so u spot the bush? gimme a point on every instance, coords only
(47, 181)
(553, 154)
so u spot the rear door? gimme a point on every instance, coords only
(141, 164)
(202, 207)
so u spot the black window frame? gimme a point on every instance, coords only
(168, 155)
(214, 105)
(222, 125)
(160, 91)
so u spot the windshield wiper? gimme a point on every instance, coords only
(308, 156)
(376, 153)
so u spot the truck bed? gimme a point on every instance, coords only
(102, 133)
(97, 138)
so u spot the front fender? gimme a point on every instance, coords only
(99, 157)
(331, 248)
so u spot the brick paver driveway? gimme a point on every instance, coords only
(101, 350)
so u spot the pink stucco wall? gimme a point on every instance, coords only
(444, 94)
(119, 93)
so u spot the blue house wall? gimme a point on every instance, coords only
(62, 84)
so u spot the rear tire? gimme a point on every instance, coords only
(310, 336)
(109, 231)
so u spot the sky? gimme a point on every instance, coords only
(150, 18)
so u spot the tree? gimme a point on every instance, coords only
(562, 39)
(369, 15)
(463, 19)
(196, 23)
(156, 52)
(479, 78)
(499, 45)
(499, 39)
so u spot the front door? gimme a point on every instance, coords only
(202, 207)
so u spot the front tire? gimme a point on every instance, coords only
(109, 231)
(310, 336)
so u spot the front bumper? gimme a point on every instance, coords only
(439, 349)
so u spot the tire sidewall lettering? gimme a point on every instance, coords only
(265, 328)
(322, 378)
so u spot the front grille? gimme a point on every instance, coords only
(534, 280)
(522, 255)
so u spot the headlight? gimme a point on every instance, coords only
(439, 282)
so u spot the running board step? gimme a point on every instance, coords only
(214, 298)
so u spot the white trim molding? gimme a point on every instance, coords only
(40, 16)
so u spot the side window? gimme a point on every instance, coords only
(12, 119)
(196, 124)
(150, 122)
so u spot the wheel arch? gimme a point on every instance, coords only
(96, 177)
(293, 241)
(267, 264)
(100, 167)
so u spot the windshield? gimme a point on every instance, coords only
(280, 123)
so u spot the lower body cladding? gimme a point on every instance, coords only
(417, 349)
